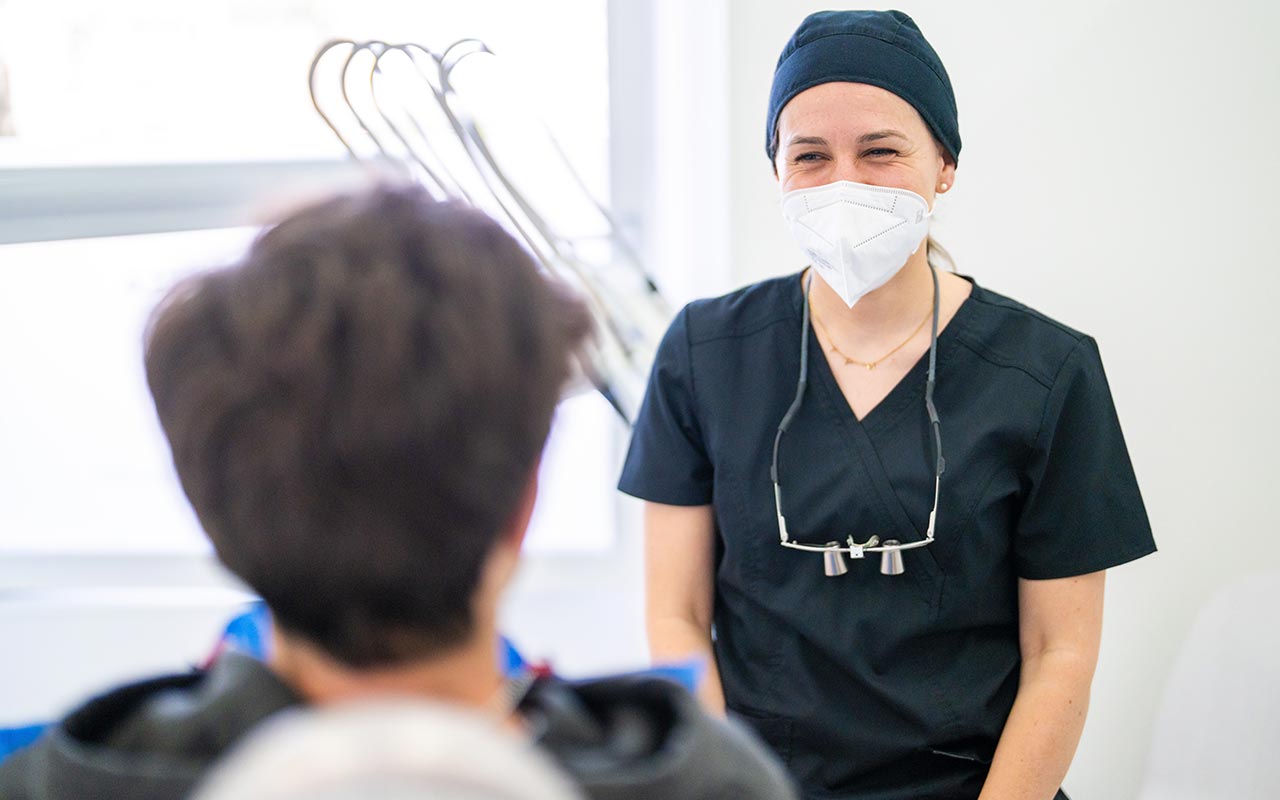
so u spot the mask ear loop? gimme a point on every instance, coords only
(801, 383)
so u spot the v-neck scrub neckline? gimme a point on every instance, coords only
(911, 384)
(870, 685)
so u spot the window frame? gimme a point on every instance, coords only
(54, 203)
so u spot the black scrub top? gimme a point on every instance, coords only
(868, 685)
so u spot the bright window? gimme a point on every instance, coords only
(141, 81)
(83, 466)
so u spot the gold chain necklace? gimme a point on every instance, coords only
(870, 365)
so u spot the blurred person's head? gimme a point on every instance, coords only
(400, 750)
(356, 411)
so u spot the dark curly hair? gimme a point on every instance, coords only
(355, 408)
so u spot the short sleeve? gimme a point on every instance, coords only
(667, 461)
(1083, 511)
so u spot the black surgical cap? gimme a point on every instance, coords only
(881, 48)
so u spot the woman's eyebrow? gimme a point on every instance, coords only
(876, 136)
(873, 136)
(818, 140)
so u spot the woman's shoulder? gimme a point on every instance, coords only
(1008, 333)
(743, 312)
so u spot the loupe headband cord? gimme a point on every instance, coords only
(939, 464)
(795, 404)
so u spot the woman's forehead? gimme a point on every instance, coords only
(841, 109)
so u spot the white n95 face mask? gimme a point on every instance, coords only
(857, 236)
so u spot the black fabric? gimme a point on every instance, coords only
(880, 48)
(629, 738)
(643, 737)
(152, 740)
(867, 685)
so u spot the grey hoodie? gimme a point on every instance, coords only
(620, 738)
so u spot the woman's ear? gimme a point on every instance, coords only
(947, 172)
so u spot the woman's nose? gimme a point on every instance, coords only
(847, 168)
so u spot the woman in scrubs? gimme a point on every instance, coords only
(968, 674)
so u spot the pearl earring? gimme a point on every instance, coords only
(943, 188)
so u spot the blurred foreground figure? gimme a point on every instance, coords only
(401, 750)
(356, 412)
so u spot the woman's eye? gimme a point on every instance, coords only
(880, 151)
(808, 157)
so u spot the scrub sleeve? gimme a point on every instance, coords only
(668, 461)
(1083, 510)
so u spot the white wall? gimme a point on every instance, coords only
(1120, 173)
